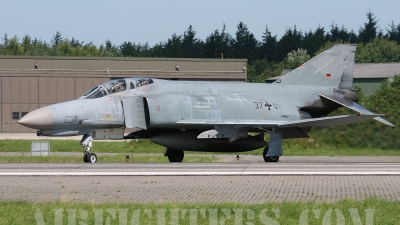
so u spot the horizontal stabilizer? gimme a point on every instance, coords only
(356, 107)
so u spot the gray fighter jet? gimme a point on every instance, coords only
(211, 116)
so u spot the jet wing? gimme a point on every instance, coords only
(327, 121)
(314, 122)
(356, 107)
(241, 123)
(289, 132)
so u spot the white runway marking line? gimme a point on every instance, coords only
(193, 173)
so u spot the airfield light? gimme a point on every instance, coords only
(36, 66)
(244, 69)
(237, 158)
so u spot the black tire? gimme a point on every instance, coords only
(269, 158)
(85, 157)
(175, 155)
(92, 158)
(272, 159)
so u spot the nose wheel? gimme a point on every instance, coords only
(89, 157)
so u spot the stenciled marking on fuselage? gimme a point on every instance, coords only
(201, 106)
(260, 105)
(108, 119)
(236, 97)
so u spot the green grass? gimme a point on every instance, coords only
(119, 158)
(295, 147)
(126, 146)
(369, 211)
(307, 147)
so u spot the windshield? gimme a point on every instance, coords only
(96, 93)
(91, 90)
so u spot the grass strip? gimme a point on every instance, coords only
(369, 211)
(124, 146)
(290, 148)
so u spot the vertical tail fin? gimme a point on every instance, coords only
(332, 68)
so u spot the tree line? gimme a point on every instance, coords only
(266, 57)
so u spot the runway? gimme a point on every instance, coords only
(243, 182)
(199, 169)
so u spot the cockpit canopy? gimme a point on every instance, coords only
(115, 86)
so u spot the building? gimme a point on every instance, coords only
(28, 83)
(368, 76)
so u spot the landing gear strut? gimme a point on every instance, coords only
(86, 142)
(273, 150)
(174, 155)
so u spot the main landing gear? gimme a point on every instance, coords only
(268, 158)
(174, 155)
(273, 150)
(177, 155)
(86, 142)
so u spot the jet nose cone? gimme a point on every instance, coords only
(38, 119)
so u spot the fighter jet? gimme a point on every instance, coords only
(211, 116)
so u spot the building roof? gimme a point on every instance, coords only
(365, 70)
(376, 70)
(115, 67)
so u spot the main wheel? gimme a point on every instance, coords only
(175, 155)
(269, 158)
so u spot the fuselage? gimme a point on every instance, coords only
(166, 102)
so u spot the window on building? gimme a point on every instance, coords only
(23, 114)
(15, 115)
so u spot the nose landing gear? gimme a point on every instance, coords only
(86, 142)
